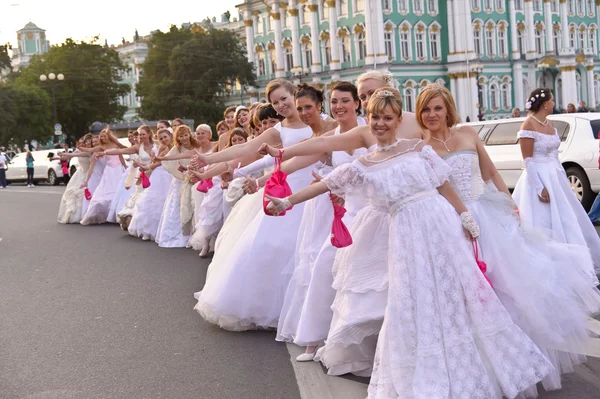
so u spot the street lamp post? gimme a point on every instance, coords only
(478, 68)
(51, 76)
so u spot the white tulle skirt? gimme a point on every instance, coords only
(99, 206)
(120, 198)
(540, 282)
(563, 216)
(71, 203)
(315, 229)
(148, 207)
(360, 280)
(245, 286)
(446, 334)
(209, 216)
(92, 185)
(169, 233)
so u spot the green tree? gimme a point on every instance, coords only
(186, 72)
(4, 57)
(90, 89)
(25, 114)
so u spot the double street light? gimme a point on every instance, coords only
(51, 76)
(477, 69)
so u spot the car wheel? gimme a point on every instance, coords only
(580, 185)
(52, 179)
(73, 170)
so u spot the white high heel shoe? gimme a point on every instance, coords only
(305, 357)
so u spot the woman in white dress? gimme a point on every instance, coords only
(141, 151)
(445, 334)
(538, 280)
(124, 192)
(149, 206)
(175, 224)
(99, 206)
(244, 288)
(543, 193)
(209, 213)
(93, 176)
(72, 199)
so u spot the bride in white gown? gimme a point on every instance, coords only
(445, 333)
(71, 203)
(124, 192)
(543, 192)
(538, 281)
(244, 289)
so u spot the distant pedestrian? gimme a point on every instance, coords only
(3, 165)
(582, 107)
(516, 113)
(571, 108)
(30, 169)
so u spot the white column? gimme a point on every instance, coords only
(453, 91)
(518, 86)
(513, 30)
(315, 39)
(590, 85)
(460, 50)
(293, 10)
(470, 41)
(370, 32)
(379, 39)
(473, 86)
(450, 25)
(280, 64)
(249, 23)
(529, 30)
(569, 84)
(564, 24)
(598, 12)
(548, 22)
(333, 37)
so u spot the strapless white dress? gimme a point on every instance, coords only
(245, 285)
(71, 203)
(93, 183)
(126, 211)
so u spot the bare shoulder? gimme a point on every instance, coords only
(528, 124)
(466, 130)
(410, 127)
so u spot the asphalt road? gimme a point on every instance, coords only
(89, 312)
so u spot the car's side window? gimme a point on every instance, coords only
(562, 129)
(504, 133)
(485, 131)
(595, 127)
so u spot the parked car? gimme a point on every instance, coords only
(44, 168)
(578, 151)
(74, 163)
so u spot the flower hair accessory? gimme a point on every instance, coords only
(385, 93)
(387, 77)
(528, 105)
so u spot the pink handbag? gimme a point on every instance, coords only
(481, 264)
(340, 236)
(87, 194)
(205, 185)
(145, 180)
(277, 186)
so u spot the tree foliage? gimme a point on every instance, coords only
(4, 57)
(187, 69)
(90, 89)
(25, 114)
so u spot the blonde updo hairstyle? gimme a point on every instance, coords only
(384, 79)
(430, 92)
(383, 98)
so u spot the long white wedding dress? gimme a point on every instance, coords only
(539, 281)
(93, 183)
(125, 213)
(445, 332)
(99, 206)
(563, 216)
(245, 285)
(71, 203)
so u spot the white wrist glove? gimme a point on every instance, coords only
(278, 205)
(254, 167)
(533, 176)
(470, 224)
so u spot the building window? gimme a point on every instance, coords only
(289, 58)
(409, 99)
(581, 42)
(359, 6)
(477, 41)
(489, 42)
(580, 7)
(482, 97)
(554, 5)
(418, 6)
(342, 8)
(307, 54)
(434, 42)
(273, 61)
(522, 47)
(432, 6)
(505, 96)
(591, 5)
(305, 15)
(288, 20)
(537, 5)
(592, 39)
(405, 51)
(326, 51)
(261, 64)
(388, 41)
(402, 5)
(502, 48)
(362, 46)
(572, 38)
(494, 97)
(597, 91)
(345, 43)
(324, 9)
(475, 5)
(556, 36)
(420, 45)
(499, 5)
(488, 5)
(571, 7)
(386, 5)
(539, 41)
(259, 26)
(519, 5)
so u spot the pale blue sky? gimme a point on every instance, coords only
(111, 19)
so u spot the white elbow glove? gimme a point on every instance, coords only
(533, 176)
(254, 167)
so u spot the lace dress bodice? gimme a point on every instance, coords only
(545, 146)
(84, 163)
(465, 176)
(391, 184)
